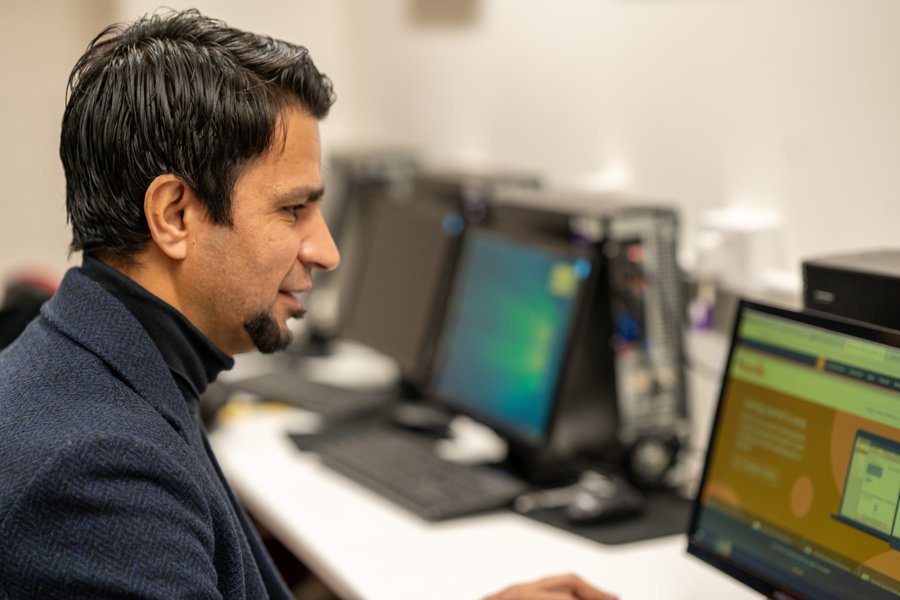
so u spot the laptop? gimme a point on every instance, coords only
(799, 496)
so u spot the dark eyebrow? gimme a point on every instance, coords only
(301, 194)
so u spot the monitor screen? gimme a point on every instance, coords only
(505, 338)
(800, 494)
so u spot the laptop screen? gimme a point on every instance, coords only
(800, 493)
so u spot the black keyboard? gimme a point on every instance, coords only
(402, 466)
(331, 402)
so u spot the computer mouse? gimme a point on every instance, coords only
(421, 417)
(613, 500)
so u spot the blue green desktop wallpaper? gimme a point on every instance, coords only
(505, 338)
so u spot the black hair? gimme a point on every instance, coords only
(177, 93)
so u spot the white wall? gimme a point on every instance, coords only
(789, 105)
(792, 105)
(40, 40)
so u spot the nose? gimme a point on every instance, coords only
(318, 249)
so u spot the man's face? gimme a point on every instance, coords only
(243, 280)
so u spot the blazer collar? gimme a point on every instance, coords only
(96, 320)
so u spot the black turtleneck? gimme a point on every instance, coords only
(193, 360)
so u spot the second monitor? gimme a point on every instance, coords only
(506, 336)
(512, 343)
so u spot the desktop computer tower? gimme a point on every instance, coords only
(863, 286)
(647, 309)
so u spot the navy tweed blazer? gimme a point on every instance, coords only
(106, 488)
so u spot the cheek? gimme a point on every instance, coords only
(283, 253)
(262, 262)
(274, 264)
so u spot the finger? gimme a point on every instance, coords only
(565, 587)
(578, 587)
(529, 592)
(585, 591)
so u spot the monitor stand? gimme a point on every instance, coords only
(538, 467)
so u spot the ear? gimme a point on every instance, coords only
(167, 203)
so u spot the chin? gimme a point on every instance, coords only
(267, 333)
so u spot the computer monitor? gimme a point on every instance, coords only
(405, 247)
(800, 492)
(407, 264)
(353, 178)
(509, 321)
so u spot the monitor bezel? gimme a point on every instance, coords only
(865, 331)
(513, 435)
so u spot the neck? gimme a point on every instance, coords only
(149, 268)
(156, 273)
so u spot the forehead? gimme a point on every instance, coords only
(292, 161)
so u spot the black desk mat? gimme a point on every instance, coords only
(666, 513)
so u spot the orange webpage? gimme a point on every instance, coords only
(783, 463)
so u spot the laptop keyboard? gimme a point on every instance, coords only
(401, 466)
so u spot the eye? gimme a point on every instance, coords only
(293, 210)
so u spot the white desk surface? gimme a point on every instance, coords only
(365, 547)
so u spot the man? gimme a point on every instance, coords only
(191, 152)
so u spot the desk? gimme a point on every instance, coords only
(365, 547)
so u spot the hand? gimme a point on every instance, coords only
(561, 587)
